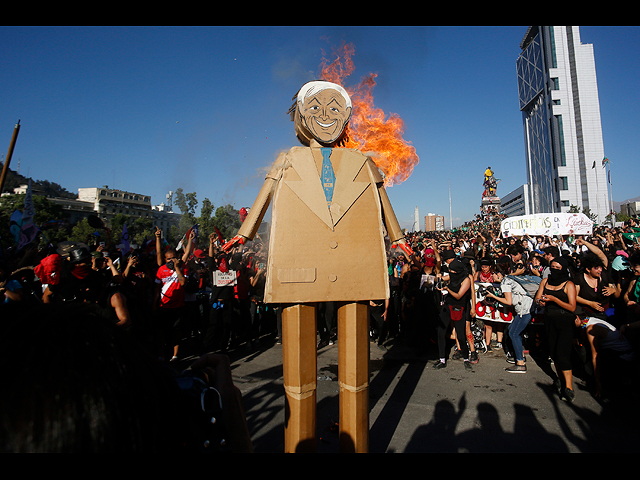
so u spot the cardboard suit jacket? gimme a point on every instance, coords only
(322, 252)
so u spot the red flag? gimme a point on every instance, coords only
(243, 213)
(220, 239)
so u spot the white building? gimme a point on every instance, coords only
(558, 93)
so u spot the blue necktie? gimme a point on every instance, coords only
(328, 177)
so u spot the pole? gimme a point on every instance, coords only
(450, 217)
(5, 168)
(612, 210)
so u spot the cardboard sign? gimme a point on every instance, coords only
(225, 279)
(548, 224)
(494, 311)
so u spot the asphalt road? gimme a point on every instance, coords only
(415, 408)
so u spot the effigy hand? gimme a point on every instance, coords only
(238, 239)
(404, 246)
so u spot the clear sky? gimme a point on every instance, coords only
(152, 109)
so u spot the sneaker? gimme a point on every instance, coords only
(498, 345)
(440, 364)
(568, 395)
(473, 357)
(511, 359)
(467, 365)
(516, 369)
(456, 356)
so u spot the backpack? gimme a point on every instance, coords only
(529, 283)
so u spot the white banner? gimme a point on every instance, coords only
(548, 224)
(224, 279)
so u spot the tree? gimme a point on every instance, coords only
(85, 233)
(574, 209)
(592, 216)
(205, 220)
(586, 210)
(227, 220)
(187, 203)
(49, 217)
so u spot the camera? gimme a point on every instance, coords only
(202, 407)
(484, 289)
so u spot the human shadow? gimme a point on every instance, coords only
(438, 436)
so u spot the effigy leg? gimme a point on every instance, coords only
(300, 377)
(353, 376)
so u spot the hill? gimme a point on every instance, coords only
(40, 187)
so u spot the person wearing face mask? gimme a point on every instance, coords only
(557, 294)
(81, 281)
(455, 309)
(429, 295)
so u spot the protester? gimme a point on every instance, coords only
(514, 295)
(557, 294)
(455, 309)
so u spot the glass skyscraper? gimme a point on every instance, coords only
(558, 95)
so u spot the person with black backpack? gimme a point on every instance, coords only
(514, 294)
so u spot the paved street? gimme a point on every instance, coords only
(414, 408)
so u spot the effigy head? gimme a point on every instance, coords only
(321, 111)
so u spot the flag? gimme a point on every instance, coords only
(605, 161)
(22, 228)
(594, 164)
(243, 213)
(124, 240)
(186, 236)
(220, 239)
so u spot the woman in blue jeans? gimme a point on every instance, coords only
(514, 295)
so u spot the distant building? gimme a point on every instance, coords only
(107, 202)
(558, 95)
(516, 203)
(433, 223)
(630, 208)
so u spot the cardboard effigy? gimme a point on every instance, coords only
(330, 216)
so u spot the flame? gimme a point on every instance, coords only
(370, 130)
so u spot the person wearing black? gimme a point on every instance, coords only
(218, 332)
(455, 309)
(80, 282)
(557, 294)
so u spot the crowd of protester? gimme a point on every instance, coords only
(573, 300)
(201, 299)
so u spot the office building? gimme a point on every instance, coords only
(433, 223)
(516, 203)
(558, 95)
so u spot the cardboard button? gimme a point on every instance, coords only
(332, 277)
(333, 244)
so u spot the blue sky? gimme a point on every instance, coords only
(149, 110)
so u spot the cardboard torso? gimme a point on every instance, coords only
(322, 251)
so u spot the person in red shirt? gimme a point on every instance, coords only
(169, 301)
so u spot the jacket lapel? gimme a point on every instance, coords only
(351, 181)
(307, 185)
